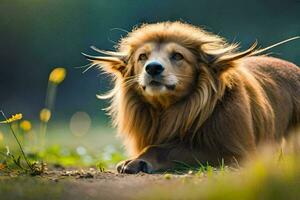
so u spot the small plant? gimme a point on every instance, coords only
(100, 166)
(34, 168)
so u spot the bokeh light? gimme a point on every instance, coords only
(80, 123)
(25, 125)
(45, 115)
(81, 150)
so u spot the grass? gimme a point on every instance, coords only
(97, 149)
(264, 178)
(56, 155)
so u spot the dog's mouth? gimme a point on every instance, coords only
(153, 84)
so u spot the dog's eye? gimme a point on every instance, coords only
(143, 57)
(176, 56)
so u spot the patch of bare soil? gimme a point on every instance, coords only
(80, 184)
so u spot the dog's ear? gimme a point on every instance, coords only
(220, 60)
(111, 62)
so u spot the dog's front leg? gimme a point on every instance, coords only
(162, 158)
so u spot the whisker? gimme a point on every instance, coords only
(83, 66)
(119, 29)
(89, 66)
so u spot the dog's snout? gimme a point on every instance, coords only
(154, 68)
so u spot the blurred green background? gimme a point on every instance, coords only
(38, 35)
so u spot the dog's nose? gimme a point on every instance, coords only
(154, 68)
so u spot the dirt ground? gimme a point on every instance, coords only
(81, 184)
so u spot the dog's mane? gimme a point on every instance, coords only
(140, 123)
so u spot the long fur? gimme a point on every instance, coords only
(192, 120)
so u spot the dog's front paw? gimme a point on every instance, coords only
(134, 166)
(121, 165)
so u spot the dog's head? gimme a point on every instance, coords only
(164, 62)
(164, 68)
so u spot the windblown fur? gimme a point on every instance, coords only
(237, 100)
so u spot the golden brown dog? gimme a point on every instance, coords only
(183, 94)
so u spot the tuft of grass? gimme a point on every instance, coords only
(200, 169)
(263, 178)
(101, 166)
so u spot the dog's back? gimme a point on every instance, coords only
(280, 81)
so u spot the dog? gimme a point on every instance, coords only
(185, 95)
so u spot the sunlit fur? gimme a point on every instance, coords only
(229, 102)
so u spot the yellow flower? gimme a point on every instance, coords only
(45, 115)
(25, 125)
(57, 75)
(13, 118)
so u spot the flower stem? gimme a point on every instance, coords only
(20, 146)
